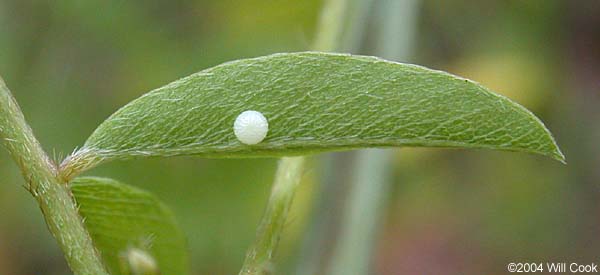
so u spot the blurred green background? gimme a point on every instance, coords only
(70, 64)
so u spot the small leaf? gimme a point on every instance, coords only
(123, 219)
(314, 102)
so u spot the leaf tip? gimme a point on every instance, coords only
(557, 154)
(553, 151)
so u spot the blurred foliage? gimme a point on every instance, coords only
(70, 64)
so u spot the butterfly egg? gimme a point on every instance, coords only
(140, 262)
(250, 127)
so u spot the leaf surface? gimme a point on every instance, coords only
(121, 218)
(315, 102)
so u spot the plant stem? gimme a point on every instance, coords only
(359, 12)
(370, 183)
(322, 229)
(53, 196)
(330, 27)
(258, 258)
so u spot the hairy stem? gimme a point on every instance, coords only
(53, 196)
(258, 259)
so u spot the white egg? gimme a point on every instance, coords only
(140, 262)
(250, 127)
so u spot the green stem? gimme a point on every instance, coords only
(258, 258)
(370, 183)
(330, 27)
(320, 239)
(53, 196)
(359, 12)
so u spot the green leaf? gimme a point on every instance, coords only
(314, 102)
(126, 221)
